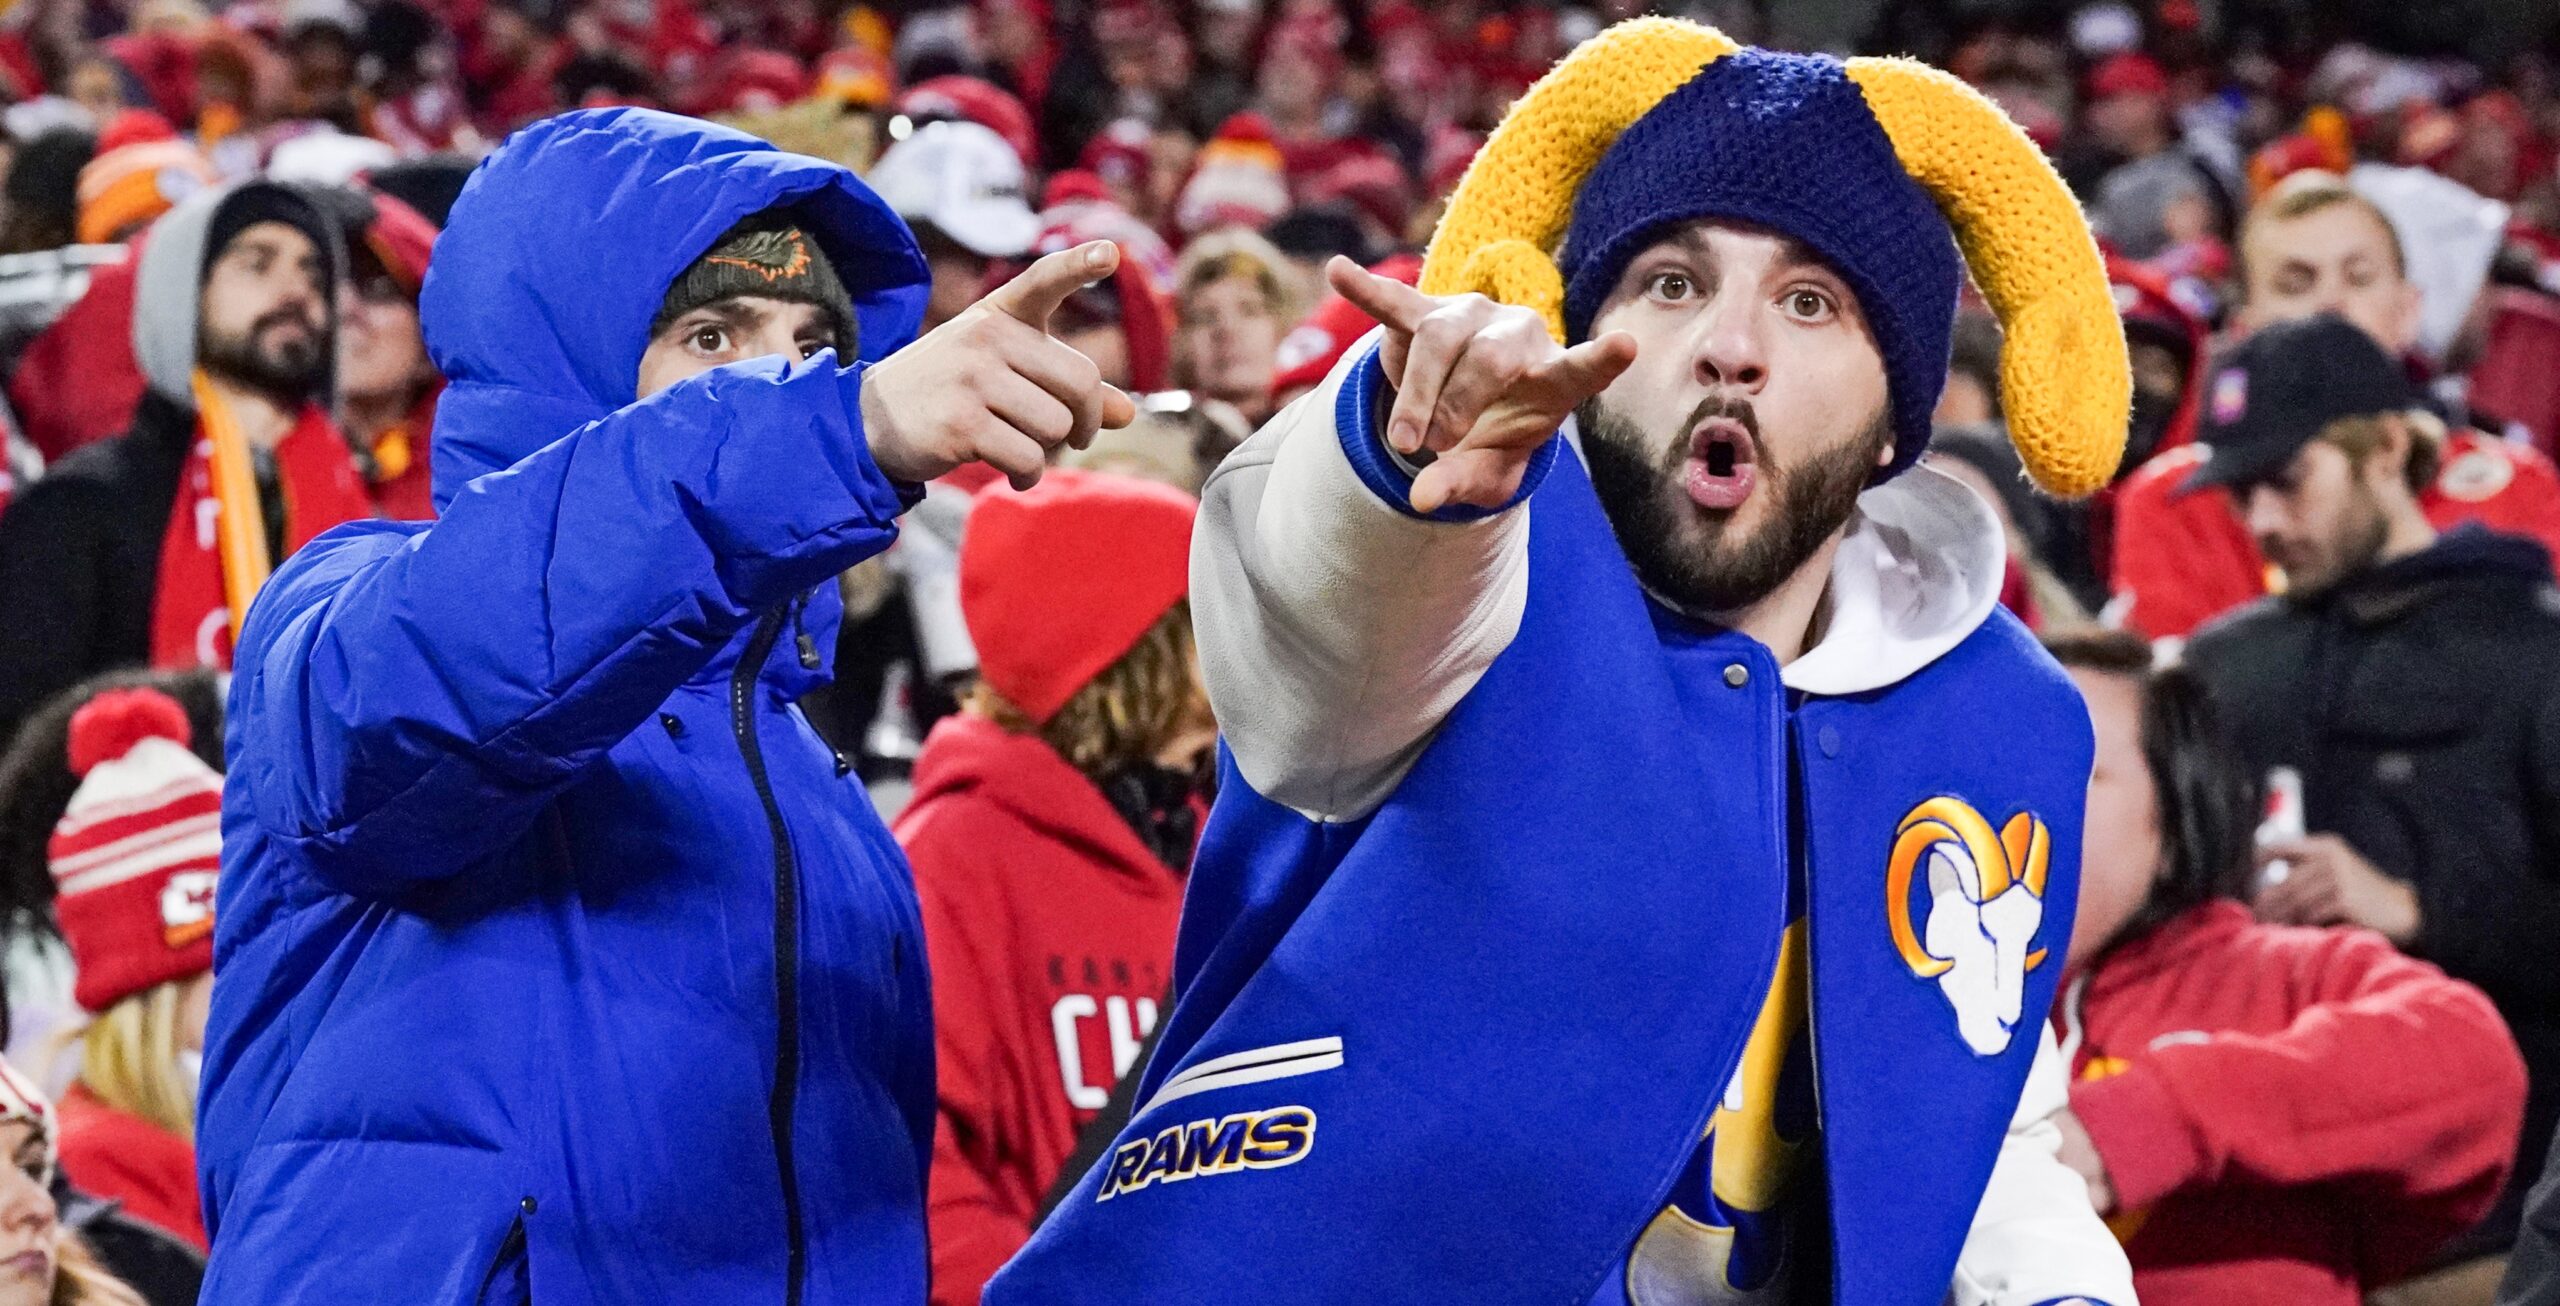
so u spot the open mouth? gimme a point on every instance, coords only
(1723, 464)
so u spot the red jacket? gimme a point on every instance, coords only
(77, 382)
(2288, 1115)
(123, 1157)
(1050, 929)
(2180, 561)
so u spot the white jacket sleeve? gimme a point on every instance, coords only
(1337, 629)
(2035, 1239)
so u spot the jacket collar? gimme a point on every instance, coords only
(2465, 557)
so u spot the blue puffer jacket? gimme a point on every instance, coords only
(557, 957)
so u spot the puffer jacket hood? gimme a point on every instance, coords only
(169, 280)
(539, 336)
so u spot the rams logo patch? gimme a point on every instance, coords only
(1252, 1140)
(1985, 906)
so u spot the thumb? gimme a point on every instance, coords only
(1589, 368)
(1033, 296)
(1118, 409)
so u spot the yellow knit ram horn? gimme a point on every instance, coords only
(1498, 236)
(2065, 385)
(2064, 380)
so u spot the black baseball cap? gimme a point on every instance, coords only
(2281, 387)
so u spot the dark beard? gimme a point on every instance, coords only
(289, 372)
(1694, 558)
(2365, 532)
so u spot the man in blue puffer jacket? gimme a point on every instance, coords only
(560, 959)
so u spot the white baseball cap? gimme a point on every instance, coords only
(963, 180)
(328, 157)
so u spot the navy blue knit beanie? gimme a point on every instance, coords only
(1786, 142)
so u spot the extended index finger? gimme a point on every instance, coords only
(1399, 306)
(1033, 296)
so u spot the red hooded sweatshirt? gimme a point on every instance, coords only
(2290, 1116)
(1049, 928)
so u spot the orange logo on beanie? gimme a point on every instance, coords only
(774, 256)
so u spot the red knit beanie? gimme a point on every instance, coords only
(135, 854)
(1058, 582)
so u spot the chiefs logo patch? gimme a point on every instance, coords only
(186, 908)
(2475, 476)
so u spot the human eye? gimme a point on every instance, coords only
(707, 338)
(1809, 304)
(1670, 286)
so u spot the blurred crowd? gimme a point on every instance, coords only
(217, 223)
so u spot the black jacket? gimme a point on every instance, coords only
(152, 1261)
(2421, 703)
(2533, 1273)
(80, 560)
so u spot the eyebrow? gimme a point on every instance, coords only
(1793, 253)
(268, 246)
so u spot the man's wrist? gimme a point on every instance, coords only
(872, 420)
(2406, 916)
(1360, 416)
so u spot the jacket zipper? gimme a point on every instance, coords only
(786, 948)
(509, 1248)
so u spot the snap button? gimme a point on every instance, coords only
(674, 725)
(1828, 740)
(1737, 675)
(530, 1206)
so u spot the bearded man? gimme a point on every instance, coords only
(1645, 851)
(113, 558)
